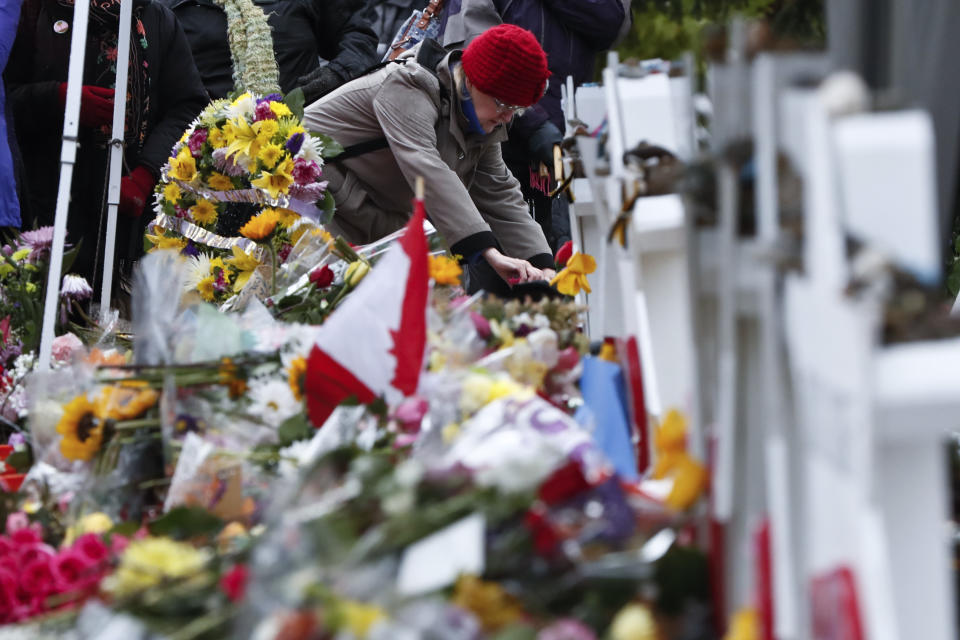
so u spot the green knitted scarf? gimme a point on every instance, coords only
(251, 48)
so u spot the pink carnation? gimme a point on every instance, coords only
(196, 140)
(18, 519)
(305, 171)
(310, 192)
(263, 112)
(63, 349)
(25, 536)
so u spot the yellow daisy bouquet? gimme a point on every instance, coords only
(240, 188)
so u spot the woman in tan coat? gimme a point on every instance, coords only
(441, 115)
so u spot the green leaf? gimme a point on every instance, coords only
(327, 206)
(295, 428)
(517, 632)
(20, 460)
(331, 147)
(956, 245)
(186, 522)
(295, 101)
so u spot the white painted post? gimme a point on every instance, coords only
(116, 154)
(68, 156)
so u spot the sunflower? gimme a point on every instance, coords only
(220, 182)
(296, 375)
(260, 226)
(279, 180)
(445, 270)
(204, 212)
(81, 428)
(183, 167)
(206, 288)
(125, 402)
(231, 378)
(171, 192)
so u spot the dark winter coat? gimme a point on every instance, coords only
(37, 66)
(303, 32)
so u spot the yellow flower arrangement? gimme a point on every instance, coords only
(287, 218)
(260, 226)
(296, 375)
(243, 138)
(81, 428)
(278, 181)
(573, 277)
(160, 241)
(152, 561)
(204, 212)
(445, 270)
(265, 129)
(97, 522)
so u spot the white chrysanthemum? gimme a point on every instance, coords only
(198, 268)
(273, 402)
(243, 107)
(312, 149)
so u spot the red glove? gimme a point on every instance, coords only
(96, 104)
(135, 189)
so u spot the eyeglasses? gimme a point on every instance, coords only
(509, 108)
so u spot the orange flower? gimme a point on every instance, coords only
(261, 226)
(445, 270)
(125, 402)
(573, 277)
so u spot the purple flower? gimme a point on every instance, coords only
(263, 112)
(273, 97)
(284, 252)
(38, 241)
(220, 284)
(294, 143)
(190, 250)
(75, 287)
(196, 140)
(305, 171)
(16, 439)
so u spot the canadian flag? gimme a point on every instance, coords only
(373, 343)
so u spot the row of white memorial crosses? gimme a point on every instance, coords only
(829, 479)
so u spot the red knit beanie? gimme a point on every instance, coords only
(508, 63)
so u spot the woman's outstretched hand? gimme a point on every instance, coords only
(514, 270)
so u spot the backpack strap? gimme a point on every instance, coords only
(429, 56)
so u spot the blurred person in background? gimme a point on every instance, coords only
(573, 33)
(304, 32)
(9, 204)
(441, 115)
(164, 93)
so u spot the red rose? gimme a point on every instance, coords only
(91, 547)
(73, 570)
(322, 277)
(564, 253)
(37, 578)
(545, 538)
(234, 582)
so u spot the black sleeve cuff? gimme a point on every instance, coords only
(473, 244)
(543, 261)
